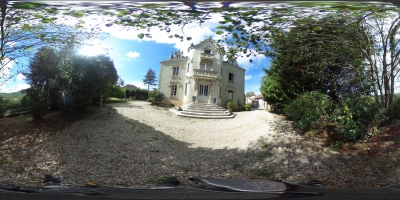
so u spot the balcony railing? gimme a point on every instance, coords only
(207, 56)
(205, 73)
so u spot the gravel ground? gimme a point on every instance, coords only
(135, 145)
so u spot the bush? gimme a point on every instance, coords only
(247, 107)
(308, 108)
(230, 106)
(152, 100)
(157, 95)
(38, 102)
(357, 119)
(3, 105)
(396, 107)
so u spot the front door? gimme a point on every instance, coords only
(203, 93)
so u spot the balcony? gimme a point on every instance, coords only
(206, 56)
(201, 73)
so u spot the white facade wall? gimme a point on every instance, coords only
(215, 77)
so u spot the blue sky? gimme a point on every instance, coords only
(133, 57)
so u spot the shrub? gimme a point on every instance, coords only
(152, 100)
(157, 95)
(357, 118)
(230, 105)
(25, 101)
(3, 105)
(247, 107)
(396, 107)
(38, 102)
(308, 108)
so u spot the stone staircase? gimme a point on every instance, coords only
(204, 110)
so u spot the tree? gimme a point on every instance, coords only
(38, 101)
(319, 55)
(250, 94)
(379, 43)
(127, 93)
(133, 94)
(27, 27)
(149, 79)
(92, 77)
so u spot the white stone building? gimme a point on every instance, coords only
(201, 77)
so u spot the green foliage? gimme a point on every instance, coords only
(3, 105)
(357, 118)
(140, 94)
(127, 93)
(247, 107)
(230, 106)
(25, 101)
(396, 107)
(114, 91)
(38, 102)
(152, 100)
(250, 94)
(315, 56)
(308, 108)
(157, 95)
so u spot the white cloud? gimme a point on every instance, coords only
(20, 77)
(244, 62)
(14, 88)
(133, 55)
(196, 32)
(6, 69)
(247, 77)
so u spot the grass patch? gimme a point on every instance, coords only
(17, 119)
(96, 155)
(142, 162)
(239, 167)
(151, 180)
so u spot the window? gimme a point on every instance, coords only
(174, 89)
(188, 67)
(231, 75)
(203, 66)
(207, 51)
(185, 89)
(176, 71)
(203, 90)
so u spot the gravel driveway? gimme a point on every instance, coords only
(134, 145)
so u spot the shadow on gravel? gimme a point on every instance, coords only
(125, 105)
(144, 156)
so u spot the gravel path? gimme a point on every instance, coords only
(135, 144)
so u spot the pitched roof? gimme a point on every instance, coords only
(260, 96)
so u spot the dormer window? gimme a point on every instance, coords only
(207, 51)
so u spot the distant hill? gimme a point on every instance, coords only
(12, 94)
(130, 87)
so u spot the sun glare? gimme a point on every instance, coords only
(92, 50)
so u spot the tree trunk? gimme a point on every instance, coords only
(101, 99)
(391, 100)
(3, 7)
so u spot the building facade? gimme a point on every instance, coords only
(201, 77)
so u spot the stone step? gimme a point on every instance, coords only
(207, 116)
(204, 108)
(205, 105)
(206, 111)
